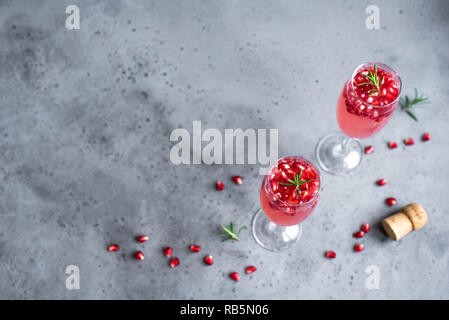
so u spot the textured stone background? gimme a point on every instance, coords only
(85, 119)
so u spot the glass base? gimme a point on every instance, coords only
(271, 236)
(337, 154)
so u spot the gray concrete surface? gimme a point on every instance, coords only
(85, 119)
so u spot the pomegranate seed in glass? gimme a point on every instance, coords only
(288, 195)
(366, 103)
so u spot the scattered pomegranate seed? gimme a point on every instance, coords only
(392, 145)
(174, 262)
(390, 201)
(381, 182)
(237, 179)
(220, 186)
(168, 252)
(359, 247)
(409, 141)
(234, 276)
(330, 254)
(250, 269)
(113, 247)
(139, 255)
(426, 136)
(209, 260)
(194, 248)
(142, 238)
(365, 227)
(369, 149)
(359, 234)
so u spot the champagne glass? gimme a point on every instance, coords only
(288, 195)
(366, 103)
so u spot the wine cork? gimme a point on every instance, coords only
(411, 217)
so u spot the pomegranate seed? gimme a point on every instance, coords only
(142, 239)
(359, 234)
(409, 141)
(392, 145)
(369, 149)
(426, 136)
(390, 201)
(365, 227)
(219, 186)
(381, 182)
(209, 260)
(250, 269)
(139, 255)
(168, 251)
(194, 248)
(174, 262)
(359, 247)
(237, 179)
(234, 276)
(387, 93)
(113, 247)
(330, 254)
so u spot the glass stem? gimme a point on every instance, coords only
(345, 145)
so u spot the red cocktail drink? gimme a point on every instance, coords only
(290, 191)
(365, 106)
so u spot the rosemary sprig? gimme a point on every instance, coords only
(296, 182)
(230, 232)
(407, 104)
(373, 79)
